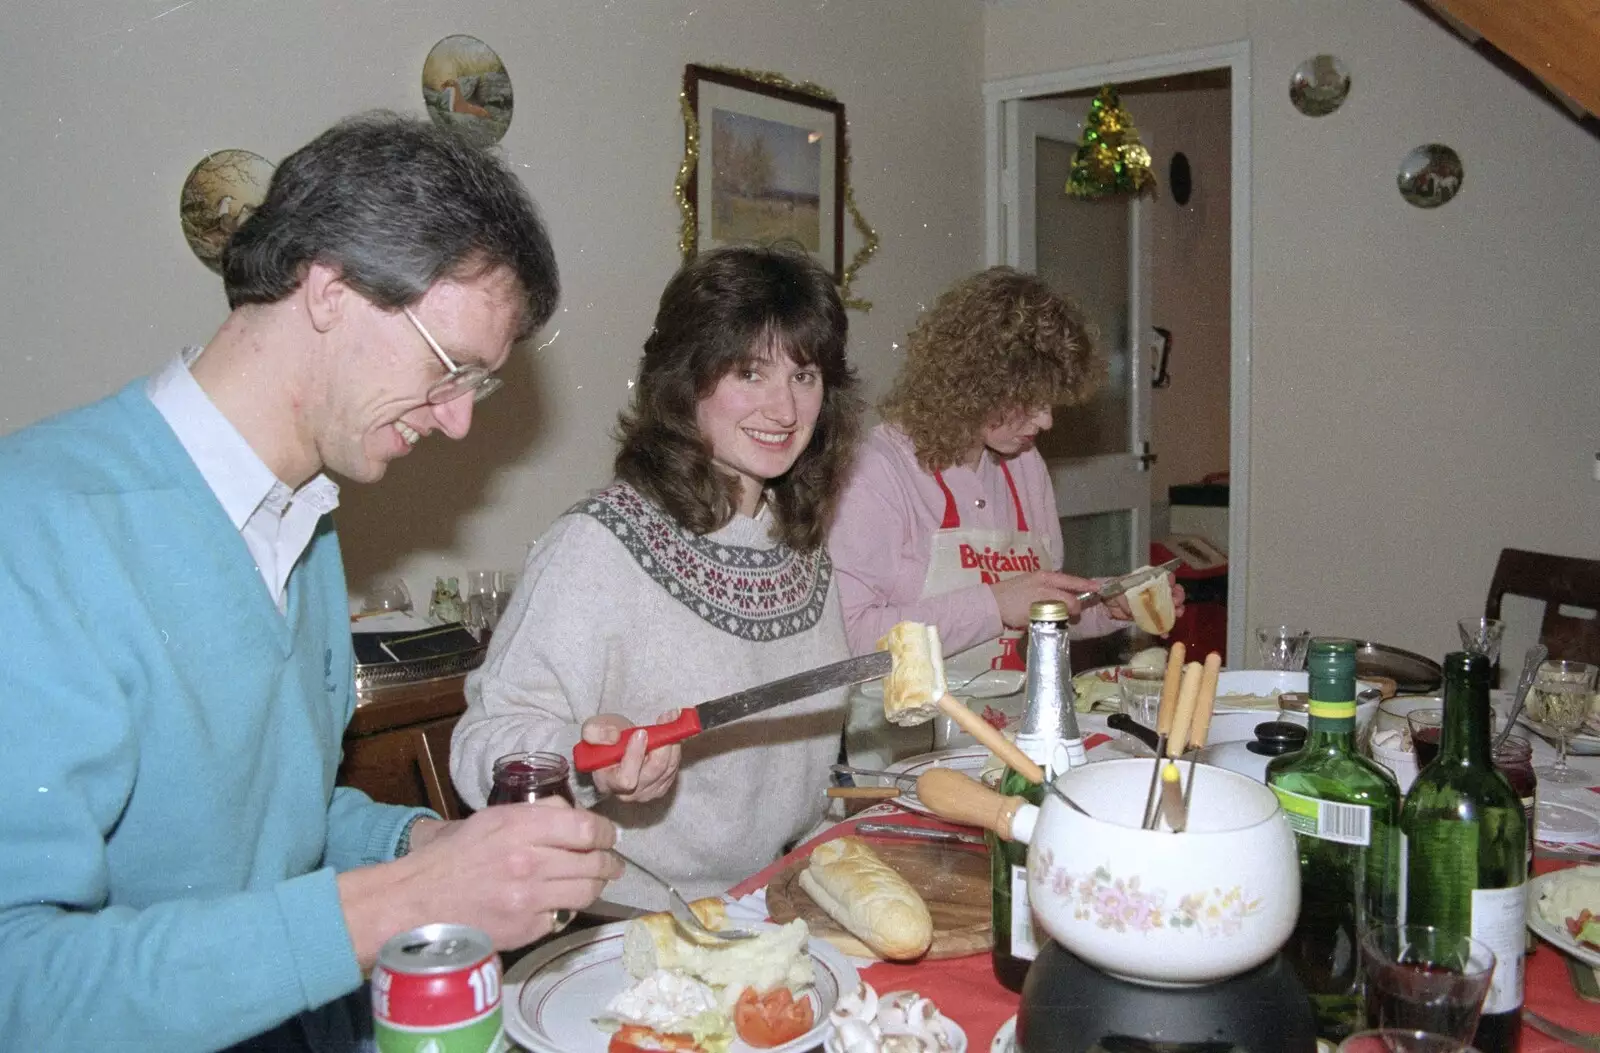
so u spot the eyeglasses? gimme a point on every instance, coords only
(459, 380)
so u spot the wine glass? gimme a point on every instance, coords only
(1400, 1040)
(1283, 646)
(1560, 699)
(1482, 636)
(1419, 976)
(388, 594)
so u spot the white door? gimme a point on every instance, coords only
(1097, 252)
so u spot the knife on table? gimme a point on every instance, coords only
(587, 756)
(1117, 586)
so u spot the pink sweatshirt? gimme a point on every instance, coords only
(883, 536)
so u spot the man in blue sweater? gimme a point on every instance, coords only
(177, 869)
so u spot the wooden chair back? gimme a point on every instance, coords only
(433, 763)
(1561, 582)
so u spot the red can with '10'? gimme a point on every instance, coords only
(437, 989)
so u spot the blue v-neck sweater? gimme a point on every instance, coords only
(169, 825)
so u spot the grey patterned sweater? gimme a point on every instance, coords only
(619, 610)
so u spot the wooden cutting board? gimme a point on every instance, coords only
(952, 879)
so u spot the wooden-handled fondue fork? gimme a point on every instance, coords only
(1188, 726)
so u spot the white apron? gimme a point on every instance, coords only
(960, 556)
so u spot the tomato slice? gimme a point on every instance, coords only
(771, 1019)
(631, 1038)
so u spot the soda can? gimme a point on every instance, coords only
(436, 989)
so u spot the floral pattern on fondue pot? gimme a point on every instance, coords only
(1124, 904)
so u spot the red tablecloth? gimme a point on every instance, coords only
(966, 991)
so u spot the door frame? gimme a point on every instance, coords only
(1234, 57)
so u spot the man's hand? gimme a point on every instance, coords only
(503, 870)
(638, 776)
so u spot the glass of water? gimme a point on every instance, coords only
(1560, 700)
(1283, 646)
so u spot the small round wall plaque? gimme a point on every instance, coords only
(1430, 175)
(466, 88)
(219, 195)
(1319, 85)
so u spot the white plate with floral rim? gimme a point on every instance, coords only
(1005, 1040)
(552, 997)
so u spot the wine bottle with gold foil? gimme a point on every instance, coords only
(1049, 736)
(1345, 811)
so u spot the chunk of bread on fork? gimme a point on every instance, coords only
(916, 682)
(1151, 605)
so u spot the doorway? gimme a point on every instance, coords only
(1162, 450)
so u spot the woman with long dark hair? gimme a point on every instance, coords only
(701, 570)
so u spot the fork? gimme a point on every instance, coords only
(681, 912)
(1580, 1039)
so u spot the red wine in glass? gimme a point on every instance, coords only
(1426, 743)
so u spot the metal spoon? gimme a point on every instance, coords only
(1530, 671)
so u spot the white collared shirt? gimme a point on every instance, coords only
(275, 522)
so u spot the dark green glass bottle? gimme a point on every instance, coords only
(1345, 810)
(1466, 846)
(1049, 736)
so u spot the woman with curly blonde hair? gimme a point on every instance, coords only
(949, 517)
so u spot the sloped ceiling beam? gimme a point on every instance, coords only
(1558, 41)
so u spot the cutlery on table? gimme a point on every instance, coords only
(681, 911)
(896, 776)
(1572, 1037)
(865, 793)
(587, 756)
(1117, 586)
(1530, 671)
(923, 833)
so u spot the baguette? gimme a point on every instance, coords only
(915, 683)
(1151, 605)
(655, 941)
(869, 898)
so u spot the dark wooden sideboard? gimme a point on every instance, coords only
(397, 746)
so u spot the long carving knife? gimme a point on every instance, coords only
(707, 715)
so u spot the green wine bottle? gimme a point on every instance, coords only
(1345, 810)
(1049, 736)
(1465, 840)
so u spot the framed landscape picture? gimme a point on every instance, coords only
(764, 162)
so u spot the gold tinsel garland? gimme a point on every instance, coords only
(688, 237)
(1110, 159)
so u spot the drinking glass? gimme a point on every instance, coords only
(1283, 646)
(1399, 1040)
(1562, 695)
(1482, 636)
(1426, 726)
(1141, 699)
(488, 594)
(1424, 978)
(389, 594)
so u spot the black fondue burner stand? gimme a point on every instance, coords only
(1069, 1006)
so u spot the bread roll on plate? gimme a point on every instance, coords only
(915, 683)
(655, 941)
(868, 897)
(1151, 604)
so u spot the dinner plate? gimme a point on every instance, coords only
(1580, 744)
(992, 683)
(1005, 1040)
(968, 760)
(1555, 935)
(552, 996)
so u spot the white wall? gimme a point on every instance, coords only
(1426, 387)
(100, 286)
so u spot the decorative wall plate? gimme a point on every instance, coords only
(467, 89)
(1319, 85)
(218, 195)
(1430, 175)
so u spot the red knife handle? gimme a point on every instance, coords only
(587, 757)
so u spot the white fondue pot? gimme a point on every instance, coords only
(1150, 906)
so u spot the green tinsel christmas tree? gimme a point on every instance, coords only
(1110, 159)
